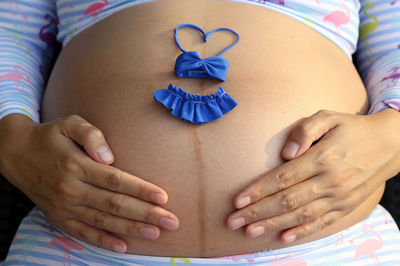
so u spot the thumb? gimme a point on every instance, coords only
(89, 137)
(306, 132)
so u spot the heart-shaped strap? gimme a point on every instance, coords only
(206, 36)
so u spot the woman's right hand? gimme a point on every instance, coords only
(80, 192)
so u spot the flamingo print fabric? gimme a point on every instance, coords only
(29, 30)
(373, 241)
(378, 54)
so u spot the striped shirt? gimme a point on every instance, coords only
(29, 30)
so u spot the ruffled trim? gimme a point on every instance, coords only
(192, 108)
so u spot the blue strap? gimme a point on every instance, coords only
(206, 36)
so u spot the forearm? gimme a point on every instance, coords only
(378, 57)
(26, 30)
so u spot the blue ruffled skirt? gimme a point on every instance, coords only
(196, 109)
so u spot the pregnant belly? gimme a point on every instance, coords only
(281, 71)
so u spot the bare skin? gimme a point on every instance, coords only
(61, 179)
(337, 178)
(205, 170)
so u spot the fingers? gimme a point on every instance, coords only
(118, 225)
(302, 221)
(109, 178)
(128, 208)
(307, 229)
(283, 177)
(83, 196)
(113, 179)
(89, 137)
(299, 216)
(78, 229)
(322, 214)
(308, 131)
(94, 236)
(282, 202)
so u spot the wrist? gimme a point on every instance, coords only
(15, 120)
(13, 129)
(389, 122)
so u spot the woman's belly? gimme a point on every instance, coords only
(281, 71)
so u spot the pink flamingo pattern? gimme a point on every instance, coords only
(333, 18)
(369, 246)
(15, 3)
(48, 37)
(16, 77)
(95, 8)
(101, 8)
(66, 244)
(290, 262)
(338, 17)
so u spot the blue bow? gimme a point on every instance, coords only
(191, 65)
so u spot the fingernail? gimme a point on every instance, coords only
(289, 238)
(236, 223)
(290, 149)
(243, 202)
(105, 154)
(157, 197)
(149, 232)
(118, 247)
(257, 231)
(168, 223)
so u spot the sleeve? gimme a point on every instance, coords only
(28, 31)
(378, 54)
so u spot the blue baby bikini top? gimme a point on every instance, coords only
(198, 109)
(191, 65)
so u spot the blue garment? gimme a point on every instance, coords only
(191, 65)
(198, 109)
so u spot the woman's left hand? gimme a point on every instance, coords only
(354, 155)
